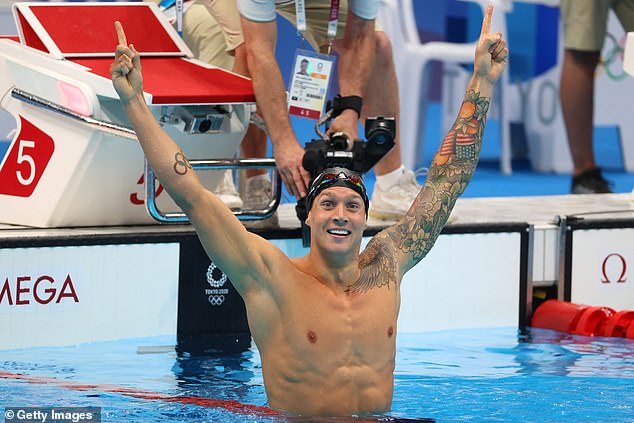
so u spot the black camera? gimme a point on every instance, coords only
(337, 150)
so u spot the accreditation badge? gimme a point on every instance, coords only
(309, 83)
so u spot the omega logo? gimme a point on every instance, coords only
(43, 291)
(618, 267)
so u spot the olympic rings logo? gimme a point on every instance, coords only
(612, 61)
(216, 300)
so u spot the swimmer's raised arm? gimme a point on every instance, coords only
(455, 162)
(167, 159)
(239, 253)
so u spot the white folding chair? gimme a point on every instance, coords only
(411, 58)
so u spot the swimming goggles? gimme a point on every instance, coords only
(337, 177)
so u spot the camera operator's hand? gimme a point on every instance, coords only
(289, 164)
(347, 122)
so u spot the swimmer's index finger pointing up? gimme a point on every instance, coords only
(120, 33)
(486, 22)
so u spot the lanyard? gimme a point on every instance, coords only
(300, 14)
(179, 10)
(333, 19)
(179, 17)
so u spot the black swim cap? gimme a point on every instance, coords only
(337, 177)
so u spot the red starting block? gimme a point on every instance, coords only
(73, 160)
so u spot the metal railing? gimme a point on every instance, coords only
(215, 164)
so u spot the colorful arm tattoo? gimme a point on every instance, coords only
(450, 172)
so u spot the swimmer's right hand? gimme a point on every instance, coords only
(125, 71)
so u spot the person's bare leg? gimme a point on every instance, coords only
(256, 186)
(254, 146)
(577, 102)
(254, 142)
(381, 99)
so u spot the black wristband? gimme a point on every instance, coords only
(339, 104)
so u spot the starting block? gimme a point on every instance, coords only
(74, 161)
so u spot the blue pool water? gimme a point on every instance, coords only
(483, 375)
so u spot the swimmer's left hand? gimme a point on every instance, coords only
(491, 52)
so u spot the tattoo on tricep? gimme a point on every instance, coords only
(377, 267)
(181, 164)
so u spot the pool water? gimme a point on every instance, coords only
(471, 375)
(497, 375)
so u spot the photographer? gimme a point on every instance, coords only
(324, 324)
(367, 80)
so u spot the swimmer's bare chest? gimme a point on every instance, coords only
(354, 324)
(333, 349)
(310, 318)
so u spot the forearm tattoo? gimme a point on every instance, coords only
(181, 164)
(449, 174)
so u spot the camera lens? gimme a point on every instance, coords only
(379, 136)
(380, 133)
(204, 126)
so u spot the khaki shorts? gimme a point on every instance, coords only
(204, 37)
(585, 21)
(214, 40)
(317, 14)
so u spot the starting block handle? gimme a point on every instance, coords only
(101, 125)
(215, 164)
